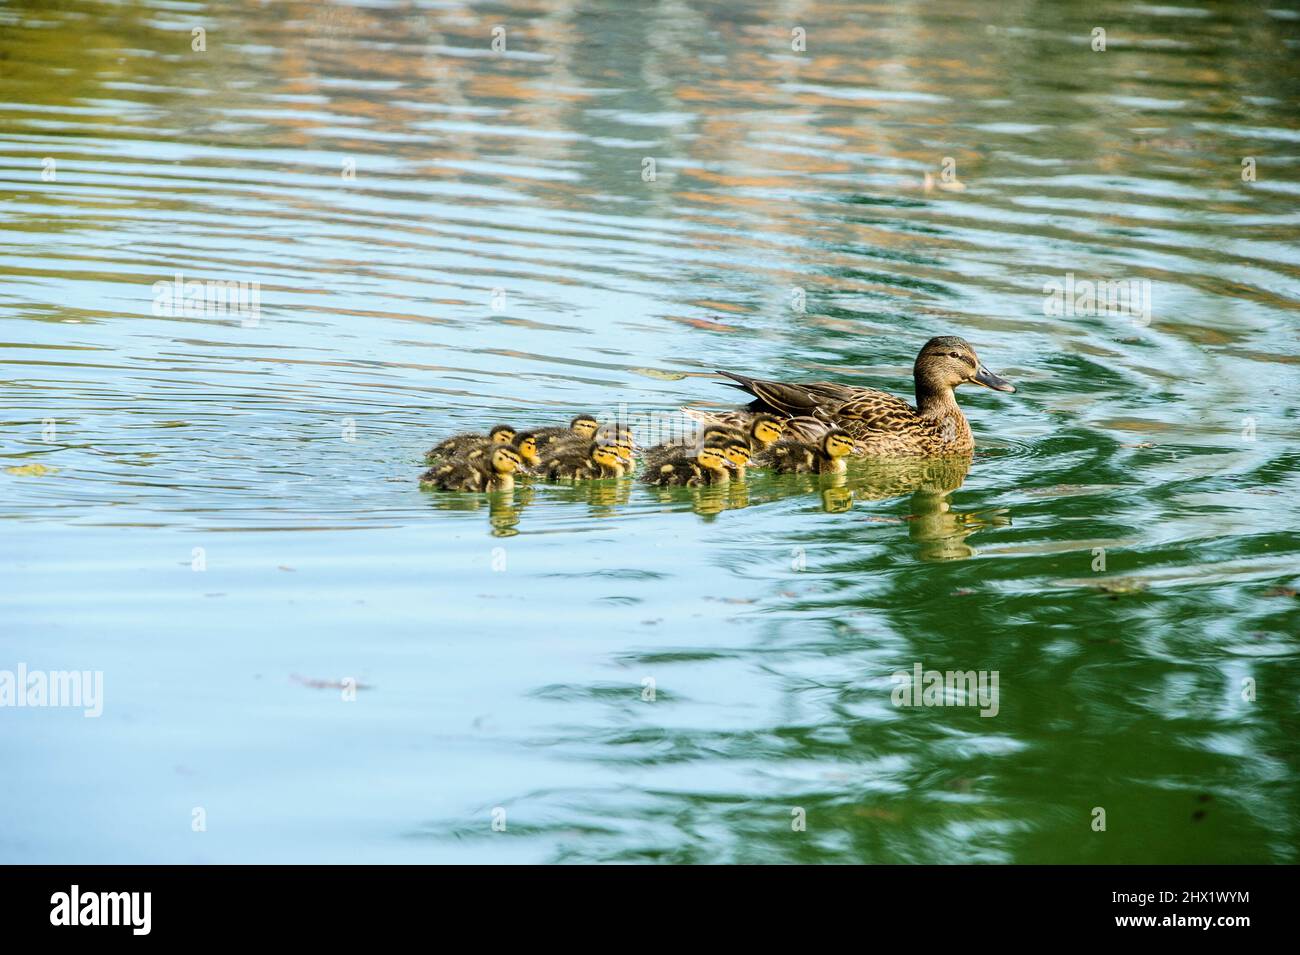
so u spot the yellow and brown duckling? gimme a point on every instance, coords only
(689, 468)
(581, 428)
(590, 463)
(459, 444)
(496, 472)
(711, 435)
(798, 457)
(525, 442)
(626, 449)
(798, 428)
(738, 454)
(760, 429)
(880, 423)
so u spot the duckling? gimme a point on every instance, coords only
(583, 427)
(761, 429)
(737, 454)
(709, 465)
(617, 437)
(797, 457)
(595, 462)
(712, 434)
(459, 444)
(604, 434)
(524, 442)
(884, 425)
(496, 473)
(626, 453)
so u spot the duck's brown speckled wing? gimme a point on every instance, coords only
(870, 410)
(809, 429)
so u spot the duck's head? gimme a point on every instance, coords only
(837, 443)
(737, 452)
(949, 361)
(711, 459)
(502, 434)
(526, 445)
(584, 426)
(625, 448)
(766, 429)
(606, 455)
(612, 434)
(716, 435)
(506, 460)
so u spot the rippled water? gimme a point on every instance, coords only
(445, 236)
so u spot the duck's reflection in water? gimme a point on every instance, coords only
(603, 497)
(503, 507)
(939, 531)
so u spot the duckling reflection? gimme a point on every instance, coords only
(605, 497)
(706, 500)
(710, 500)
(837, 500)
(505, 509)
(737, 495)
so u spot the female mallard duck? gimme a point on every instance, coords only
(583, 428)
(587, 464)
(880, 423)
(799, 457)
(459, 444)
(495, 473)
(689, 468)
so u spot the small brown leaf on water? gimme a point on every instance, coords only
(1122, 585)
(656, 373)
(706, 324)
(1282, 592)
(875, 812)
(31, 470)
